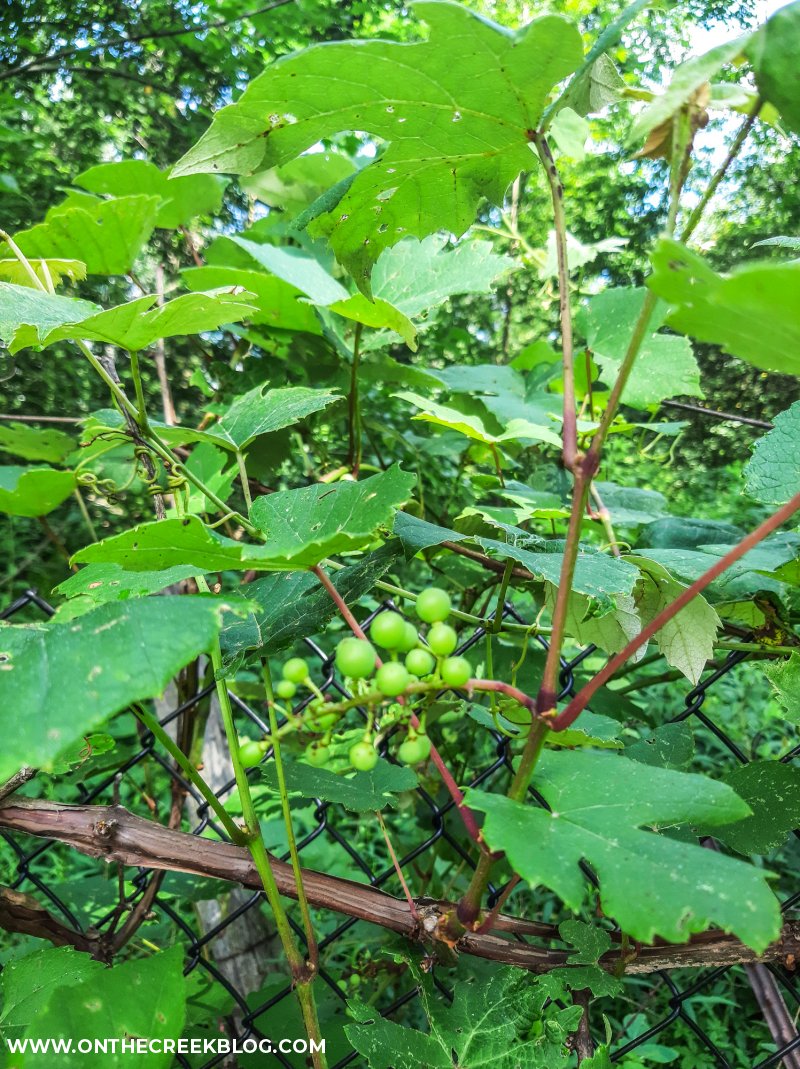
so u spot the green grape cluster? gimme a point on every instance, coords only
(388, 686)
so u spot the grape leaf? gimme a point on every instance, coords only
(97, 584)
(140, 997)
(276, 303)
(34, 443)
(749, 313)
(785, 679)
(28, 984)
(456, 111)
(106, 235)
(289, 606)
(650, 884)
(70, 677)
(301, 527)
(359, 792)
(772, 475)
(774, 54)
(299, 182)
(772, 790)
(182, 199)
(590, 942)
(668, 746)
(54, 270)
(263, 410)
(137, 324)
(517, 430)
(304, 526)
(687, 640)
(44, 311)
(665, 365)
(489, 1023)
(33, 491)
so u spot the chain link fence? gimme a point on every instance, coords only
(664, 1001)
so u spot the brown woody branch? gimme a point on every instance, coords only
(114, 834)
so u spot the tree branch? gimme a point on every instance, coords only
(114, 834)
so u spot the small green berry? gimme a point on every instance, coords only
(392, 679)
(433, 605)
(355, 657)
(285, 689)
(317, 754)
(295, 670)
(410, 638)
(250, 753)
(420, 663)
(414, 750)
(455, 671)
(442, 639)
(363, 756)
(388, 630)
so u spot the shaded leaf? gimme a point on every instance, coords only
(772, 474)
(33, 491)
(650, 884)
(182, 199)
(359, 792)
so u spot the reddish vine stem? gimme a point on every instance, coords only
(584, 696)
(466, 814)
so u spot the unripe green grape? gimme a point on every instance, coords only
(420, 663)
(392, 679)
(415, 749)
(455, 671)
(410, 638)
(442, 639)
(250, 753)
(295, 670)
(318, 719)
(355, 657)
(433, 605)
(388, 630)
(363, 756)
(317, 754)
(285, 689)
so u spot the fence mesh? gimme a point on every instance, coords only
(667, 1000)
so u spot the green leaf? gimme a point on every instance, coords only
(16, 272)
(687, 640)
(299, 182)
(136, 325)
(140, 997)
(686, 80)
(784, 675)
(34, 443)
(275, 302)
(33, 491)
(611, 631)
(263, 410)
(665, 365)
(772, 790)
(43, 311)
(774, 54)
(668, 746)
(590, 942)
(749, 313)
(455, 111)
(304, 526)
(106, 235)
(489, 1023)
(650, 884)
(378, 314)
(70, 677)
(772, 474)
(182, 199)
(29, 983)
(359, 792)
(473, 427)
(97, 584)
(296, 268)
(416, 276)
(631, 505)
(570, 132)
(289, 606)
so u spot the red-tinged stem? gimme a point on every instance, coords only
(466, 814)
(584, 696)
(502, 688)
